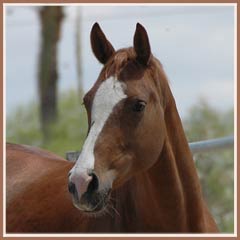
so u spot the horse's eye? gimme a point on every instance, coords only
(139, 106)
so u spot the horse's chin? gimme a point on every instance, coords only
(98, 212)
(94, 207)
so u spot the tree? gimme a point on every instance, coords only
(51, 19)
(215, 168)
(79, 52)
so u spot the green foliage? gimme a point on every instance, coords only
(215, 168)
(67, 134)
(203, 122)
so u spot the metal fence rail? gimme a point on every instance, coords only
(212, 144)
(196, 147)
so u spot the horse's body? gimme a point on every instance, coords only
(160, 195)
(38, 200)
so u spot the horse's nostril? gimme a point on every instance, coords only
(71, 187)
(93, 185)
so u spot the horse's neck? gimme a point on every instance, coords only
(179, 152)
(168, 196)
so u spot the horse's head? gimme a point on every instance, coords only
(126, 120)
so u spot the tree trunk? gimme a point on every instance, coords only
(51, 18)
(79, 52)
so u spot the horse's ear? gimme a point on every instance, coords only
(101, 47)
(141, 45)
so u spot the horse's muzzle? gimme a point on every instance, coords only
(86, 195)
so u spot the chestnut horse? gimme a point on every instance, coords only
(135, 172)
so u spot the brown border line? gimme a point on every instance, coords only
(1, 111)
(124, 1)
(237, 181)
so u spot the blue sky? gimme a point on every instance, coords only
(194, 43)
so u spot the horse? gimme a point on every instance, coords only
(135, 173)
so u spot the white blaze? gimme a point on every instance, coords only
(108, 95)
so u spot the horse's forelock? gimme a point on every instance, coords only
(122, 57)
(118, 62)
